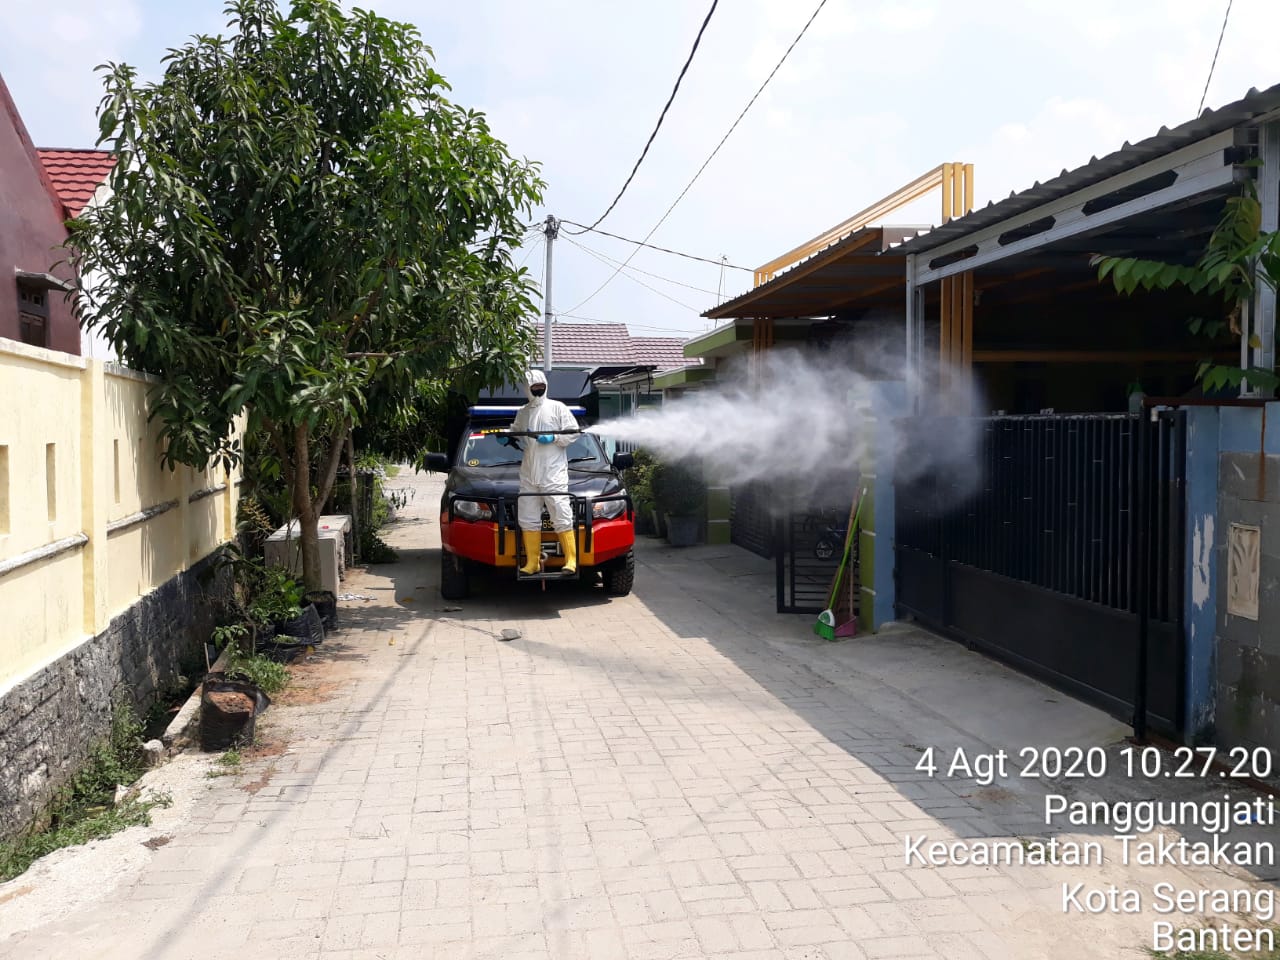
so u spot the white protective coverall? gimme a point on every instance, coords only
(545, 467)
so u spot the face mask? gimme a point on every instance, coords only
(538, 389)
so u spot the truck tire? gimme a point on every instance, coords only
(620, 575)
(455, 584)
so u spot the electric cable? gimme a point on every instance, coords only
(634, 279)
(657, 276)
(629, 325)
(640, 243)
(536, 244)
(662, 116)
(734, 126)
(1216, 51)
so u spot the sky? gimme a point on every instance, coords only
(875, 94)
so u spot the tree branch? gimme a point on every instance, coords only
(329, 471)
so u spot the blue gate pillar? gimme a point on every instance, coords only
(876, 537)
(1200, 593)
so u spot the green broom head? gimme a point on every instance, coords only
(825, 626)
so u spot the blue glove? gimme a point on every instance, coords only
(546, 438)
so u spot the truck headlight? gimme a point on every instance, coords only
(609, 509)
(471, 510)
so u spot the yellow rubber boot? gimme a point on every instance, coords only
(570, 548)
(532, 551)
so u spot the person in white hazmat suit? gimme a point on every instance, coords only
(545, 470)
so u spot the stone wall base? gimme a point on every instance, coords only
(49, 722)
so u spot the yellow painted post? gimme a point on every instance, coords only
(95, 494)
(948, 175)
(968, 188)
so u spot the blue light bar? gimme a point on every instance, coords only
(511, 411)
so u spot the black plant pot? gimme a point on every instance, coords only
(326, 605)
(221, 726)
(306, 627)
(282, 650)
(682, 531)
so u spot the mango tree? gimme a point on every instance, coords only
(302, 230)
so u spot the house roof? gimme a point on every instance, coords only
(1254, 104)
(76, 175)
(859, 265)
(661, 353)
(609, 345)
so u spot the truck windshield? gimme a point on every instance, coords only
(488, 450)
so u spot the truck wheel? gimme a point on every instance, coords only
(454, 582)
(619, 575)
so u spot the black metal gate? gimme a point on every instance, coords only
(750, 518)
(808, 546)
(1067, 561)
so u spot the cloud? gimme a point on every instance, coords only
(54, 81)
(876, 93)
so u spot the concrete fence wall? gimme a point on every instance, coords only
(103, 579)
(1233, 603)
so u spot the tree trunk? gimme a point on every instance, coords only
(306, 508)
(308, 519)
(355, 498)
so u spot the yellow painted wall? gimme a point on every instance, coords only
(106, 474)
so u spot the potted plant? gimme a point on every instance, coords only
(230, 700)
(679, 493)
(280, 603)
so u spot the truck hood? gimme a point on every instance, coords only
(494, 482)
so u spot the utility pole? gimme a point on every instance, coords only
(551, 230)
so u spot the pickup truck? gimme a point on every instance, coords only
(478, 528)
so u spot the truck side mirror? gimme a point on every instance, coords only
(438, 462)
(624, 461)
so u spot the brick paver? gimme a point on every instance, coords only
(650, 778)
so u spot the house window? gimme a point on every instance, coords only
(33, 314)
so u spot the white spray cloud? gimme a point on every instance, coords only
(809, 425)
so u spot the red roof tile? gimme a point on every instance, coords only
(663, 353)
(611, 345)
(76, 175)
(599, 344)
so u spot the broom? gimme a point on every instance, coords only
(825, 626)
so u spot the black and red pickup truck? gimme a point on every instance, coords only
(478, 526)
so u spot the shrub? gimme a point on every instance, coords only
(677, 489)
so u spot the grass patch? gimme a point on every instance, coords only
(85, 809)
(227, 765)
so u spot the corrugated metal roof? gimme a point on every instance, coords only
(854, 262)
(1254, 104)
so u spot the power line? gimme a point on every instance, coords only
(662, 116)
(629, 325)
(536, 244)
(639, 243)
(657, 276)
(608, 263)
(689, 185)
(1216, 50)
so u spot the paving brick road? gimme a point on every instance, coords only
(677, 774)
